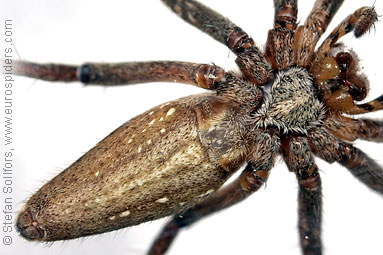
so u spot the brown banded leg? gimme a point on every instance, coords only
(349, 129)
(201, 75)
(280, 40)
(298, 157)
(308, 34)
(360, 22)
(249, 58)
(356, 161)
(247, 183)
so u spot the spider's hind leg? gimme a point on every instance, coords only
(202, 75)
(298, 157)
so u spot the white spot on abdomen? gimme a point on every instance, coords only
(170, 112)
(162, 200)
(124, 214)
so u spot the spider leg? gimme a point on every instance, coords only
(298, 157)
(349, 129)
(201, 75)
(249, 58)
(356, 161)
(308, 34)
(360, 22)
(280, 40)
(250, 180)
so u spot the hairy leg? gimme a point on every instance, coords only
(360, 22)
(280, 40)
(201, 75)
(356, 161)
(349, 129)
(249, 58)
(308, 34)
(298, 157)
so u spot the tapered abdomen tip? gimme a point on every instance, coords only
(28, 226)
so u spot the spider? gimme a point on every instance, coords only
(290, 138)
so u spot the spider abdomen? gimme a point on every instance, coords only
(157, 164)
(290, 102)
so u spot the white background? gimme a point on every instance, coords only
(56, 123)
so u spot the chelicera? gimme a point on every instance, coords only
(289, 100)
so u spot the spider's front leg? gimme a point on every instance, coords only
(298, 157)
(249, 58)
(251, 179)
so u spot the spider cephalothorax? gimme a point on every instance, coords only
(286, 109)
(290, 100)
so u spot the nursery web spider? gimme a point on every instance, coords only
(329, 83)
